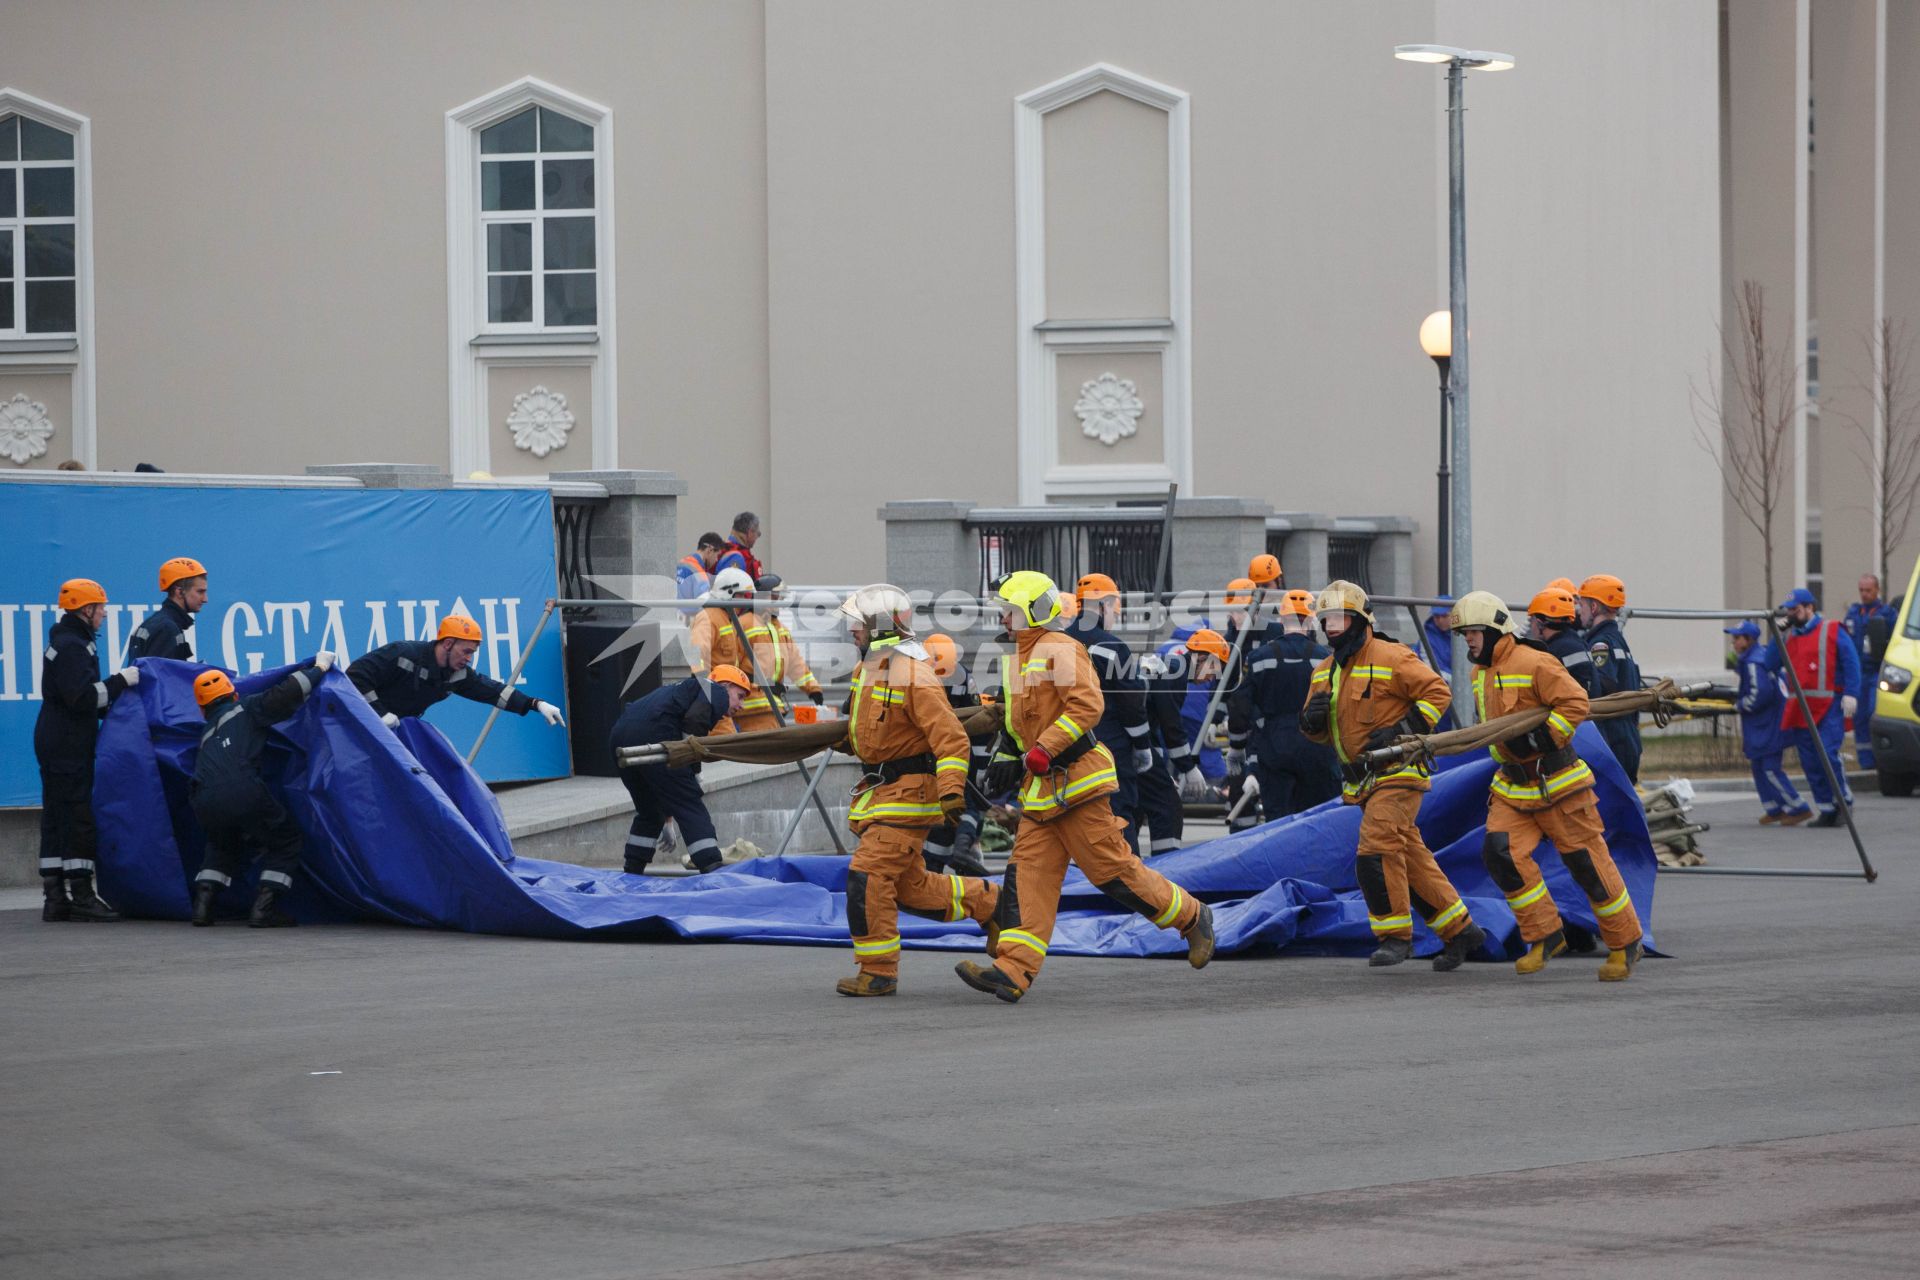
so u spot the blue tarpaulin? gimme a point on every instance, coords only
(400, 830)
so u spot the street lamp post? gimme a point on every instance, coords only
(1458, 62)
(1436, 339)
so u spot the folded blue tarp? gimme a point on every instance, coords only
(399, 829)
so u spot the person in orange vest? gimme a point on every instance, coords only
(1053, 700)
(717, 637)
(694, 574)
(781, 661)
(1542, 791)
(1824, 657)
(903, 729)
(1367, 693)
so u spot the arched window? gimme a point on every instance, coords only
(530, 281)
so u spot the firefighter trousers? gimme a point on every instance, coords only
(1574, 827)
(1090, 837)
(888, 876)
(1398, 873)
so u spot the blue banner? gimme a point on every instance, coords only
(290, 571)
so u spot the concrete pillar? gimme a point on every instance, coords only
(1901, 209)
(1390, 558)
(388, 475)
(930, 548)
(635, 535)
(1303, 556)
(1215, 539)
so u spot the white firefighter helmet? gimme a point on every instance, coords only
(732, 584)
(880, 608)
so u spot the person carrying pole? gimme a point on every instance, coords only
(1542, 790)
(164, 633)
(231, 799)
(73, 700)
(1052, 698)
(1827, 663)
(407, 677)
(903, 729)
(1369, 691)
(698, 706)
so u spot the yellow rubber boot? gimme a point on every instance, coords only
(1539, 953)
(1618, 966)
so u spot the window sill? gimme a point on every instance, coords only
(37, 346)
(534, 340)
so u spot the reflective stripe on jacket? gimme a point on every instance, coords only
(1378, 687)
(1053, 701)
(1520, 678)
(899, 709)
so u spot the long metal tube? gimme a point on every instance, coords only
(1462, 514)
(493, 712)
(1840, 793)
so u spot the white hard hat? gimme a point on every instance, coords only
(880, 607)
(732, 584)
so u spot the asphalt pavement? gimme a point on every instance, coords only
(376, 1101)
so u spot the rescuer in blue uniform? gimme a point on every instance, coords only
(164, 633)
(1761, 737)
(1293, 773)
(698, 706)
(1552, 623)
(231, 799)
(73, 701)
(1869, 621)
(1600, 599)
(1123, 721)
(407, 677)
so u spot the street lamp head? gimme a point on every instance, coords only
(1436, 335)
(1472, 59)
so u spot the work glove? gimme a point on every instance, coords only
(1384, 736)
(390, 720)
(1848, 705)
(818, 695)
(954, 807)
(1038, 761)
(1313, 717)
(1193, 783)
(1143, 760)
(1003, 775)
(323, 661)
(1236, 761)
(1251, 787)
(549, 713)
(131, 675)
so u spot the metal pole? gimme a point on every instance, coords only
(1462, 514)
(773, 705)
(494, 711)
(800, 810)
(1446, 486)
(1762, 871)
(1165, 558)
(1840, 793)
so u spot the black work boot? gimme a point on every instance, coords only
(990, 979)
(1827, 818)
(963, 861)
(1391, 951)
(84, 904)
(1459, 947)
(204, 892)
(55, 908)
(267, 912)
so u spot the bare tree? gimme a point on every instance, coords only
(1747, 428)
(1888, 444)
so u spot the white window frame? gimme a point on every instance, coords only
(1041, 337)
(537, 218)
(71, 353)
(474, 344)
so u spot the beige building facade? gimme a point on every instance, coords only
(815, 257)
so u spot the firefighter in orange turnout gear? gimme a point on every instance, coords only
(1542, 791)
(1369, 692)
(904, 730)
(1053, 700)
(718, 639)
(781, 662)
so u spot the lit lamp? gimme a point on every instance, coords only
(1436, 339)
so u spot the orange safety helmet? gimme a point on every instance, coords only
(1208, 641)
(78, 593)
(1240, 591)
(1095, 586)
(1554, 603)
(727, 673)
(1563, 584)
(179, 569)
(1605, 588)
(1265, 570)
(456, 626)
(1297, 602)
(943, 653)
(211, 686)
